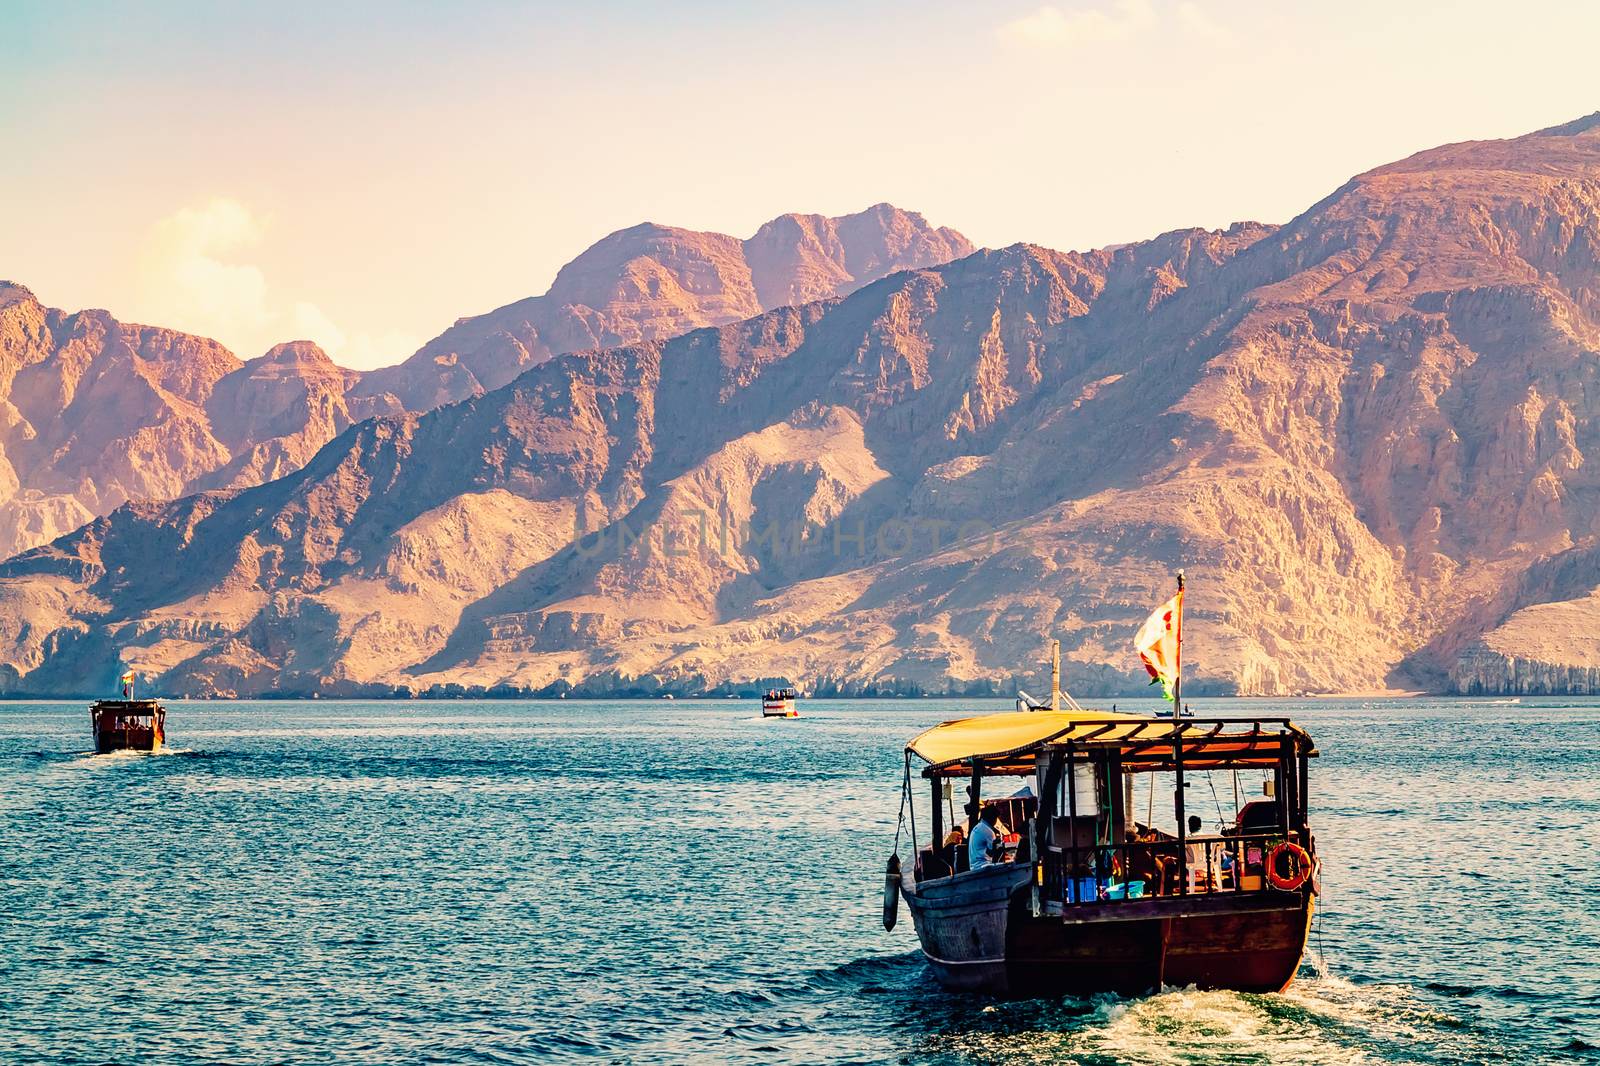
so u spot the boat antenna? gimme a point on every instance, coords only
(1057, 693)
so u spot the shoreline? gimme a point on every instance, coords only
(1091, 705)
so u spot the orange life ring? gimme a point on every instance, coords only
(1302, 867)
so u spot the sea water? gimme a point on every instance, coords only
(655, 881)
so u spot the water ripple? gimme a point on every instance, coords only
(508, 882)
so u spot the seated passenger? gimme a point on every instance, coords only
(1202, 860)
(951, 851)
(1141, 863)
(983, 846)
(945, 859)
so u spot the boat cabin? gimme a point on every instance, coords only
(1118, 810)
(780, 703)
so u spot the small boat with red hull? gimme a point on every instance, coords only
(128, 725)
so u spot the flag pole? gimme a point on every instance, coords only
(1177, 656)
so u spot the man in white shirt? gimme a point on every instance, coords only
(1198, 858)
(983, 846)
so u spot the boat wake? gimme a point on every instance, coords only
(102, 758)
(1321, 1021)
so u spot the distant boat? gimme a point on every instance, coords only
(780, 703)
(128, 725)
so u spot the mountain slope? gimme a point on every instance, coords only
(1366, 436)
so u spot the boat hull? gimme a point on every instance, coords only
(780, 709)
(978, 933)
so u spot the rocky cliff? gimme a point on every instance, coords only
(1364, 434)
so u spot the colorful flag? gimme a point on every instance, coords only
(1158, 641)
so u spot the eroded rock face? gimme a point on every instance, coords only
(1366, 435)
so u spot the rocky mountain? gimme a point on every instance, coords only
(1365, 435)
(94, 413)
(652, 282)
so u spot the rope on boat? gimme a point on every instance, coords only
(1221, 821)
(1109, 794)
(905, 794)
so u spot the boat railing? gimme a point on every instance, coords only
(1226, 864)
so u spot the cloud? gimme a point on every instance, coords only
(191, 277)
(1055, 27)
(1194, 18)
(1050, 26)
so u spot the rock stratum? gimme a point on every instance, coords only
(1366, 435)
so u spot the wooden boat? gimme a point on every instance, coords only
(1089, 899)
(128, 725)
(780, 703)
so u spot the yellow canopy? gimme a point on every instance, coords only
(1013, 731)
(993, 736)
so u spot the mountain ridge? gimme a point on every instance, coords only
(650, 281)
(215, 421)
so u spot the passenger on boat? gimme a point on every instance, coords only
(1141, 861)
(983, 846)
(1198, 859)
(954, 850)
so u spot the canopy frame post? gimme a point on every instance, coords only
(1071, 785)
(1180, 807)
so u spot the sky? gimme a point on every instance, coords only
(363, 174)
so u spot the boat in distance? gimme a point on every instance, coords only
(1072, 893)
(780, 703)
(128, 725)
